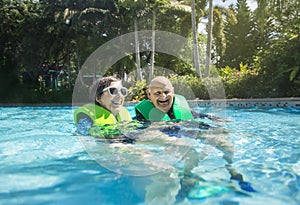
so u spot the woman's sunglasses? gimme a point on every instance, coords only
(113, 91)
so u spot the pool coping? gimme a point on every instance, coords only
(293, 102)
(258, 102)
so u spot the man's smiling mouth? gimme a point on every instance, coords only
(162, 101)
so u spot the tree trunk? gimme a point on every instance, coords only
(153, 48)
(137, 52)
(209, 39)
(195, 39)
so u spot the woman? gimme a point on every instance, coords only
(100, 118)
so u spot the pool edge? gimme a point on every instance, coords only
(293, 102)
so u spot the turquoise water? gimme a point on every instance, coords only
(43, 161)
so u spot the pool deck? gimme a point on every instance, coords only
(257, 102)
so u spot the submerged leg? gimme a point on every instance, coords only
(226, 146)
(163, 189)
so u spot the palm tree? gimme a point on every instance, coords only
(209, 39)
(137, 51)
(189, 6)
(195, 39)
(219, 30)
(136, 9)
(216, 13)
(75, 15)
(153, 47)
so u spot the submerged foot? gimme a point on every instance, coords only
(187, 182)
(244, 185)
(192, 188)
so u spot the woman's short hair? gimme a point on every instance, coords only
(96, 90)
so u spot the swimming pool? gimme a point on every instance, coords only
(43, 161)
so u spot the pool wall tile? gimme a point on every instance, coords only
(263, 102)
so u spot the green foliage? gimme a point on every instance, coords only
(256, 53)
(137, 92)
(244, 86)
(193, 87)
(29, 94)
(280, 66)
(188, 86)
(231, 73)
(241, 42)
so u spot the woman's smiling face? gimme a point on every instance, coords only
(112, 103)
(161, 93)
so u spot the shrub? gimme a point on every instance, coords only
(137, 92)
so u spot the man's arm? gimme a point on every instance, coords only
(139, 116)
(211, 117)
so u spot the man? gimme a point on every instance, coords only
(162, 103)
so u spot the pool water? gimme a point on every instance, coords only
(44, 161)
